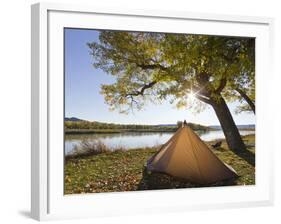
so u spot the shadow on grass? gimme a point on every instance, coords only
(248, 156)
(158, 181)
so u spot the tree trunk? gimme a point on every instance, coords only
(230, 130)
(247, 99)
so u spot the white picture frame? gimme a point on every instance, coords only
(48, 201)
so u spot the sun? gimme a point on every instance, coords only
(191, 96)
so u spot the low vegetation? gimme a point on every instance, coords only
(88, 148)
(101, 170)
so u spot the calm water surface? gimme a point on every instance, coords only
(136, 140)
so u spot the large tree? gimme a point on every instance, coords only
(155, 67)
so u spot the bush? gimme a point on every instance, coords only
(89, 148)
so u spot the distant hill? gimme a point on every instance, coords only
(72, 119)
(242, 126)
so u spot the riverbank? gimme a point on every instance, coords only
(123, 170)
(115, 131)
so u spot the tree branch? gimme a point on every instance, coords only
(141, 91)
(202, 78)
(247, 99)
(221, 86)
(203, 98)
(152, 66)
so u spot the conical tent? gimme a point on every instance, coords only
(186, 156)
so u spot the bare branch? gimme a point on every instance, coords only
(141, 91)
(152, 66)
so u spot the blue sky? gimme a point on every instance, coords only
(83, 98)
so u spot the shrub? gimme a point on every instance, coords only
(88, 148)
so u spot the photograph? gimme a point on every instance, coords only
(157, 111)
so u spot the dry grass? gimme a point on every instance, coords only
(102, 170)
(90, 148)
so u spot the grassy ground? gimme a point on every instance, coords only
(123, 170)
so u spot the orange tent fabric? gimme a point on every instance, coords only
(186, 156)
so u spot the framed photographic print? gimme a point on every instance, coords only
(148, 111)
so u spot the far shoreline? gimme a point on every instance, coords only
(113, 131)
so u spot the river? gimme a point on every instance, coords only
(131, 140)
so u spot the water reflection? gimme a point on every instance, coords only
(136, 139)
